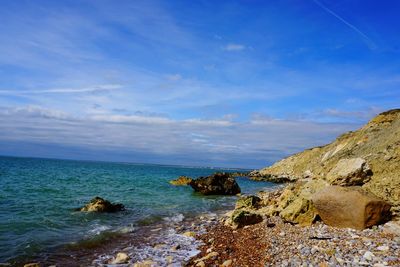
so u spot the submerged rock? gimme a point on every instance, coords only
(350, 207)
(181, 180)
(216, 184)
(99, 204)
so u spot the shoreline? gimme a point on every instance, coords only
(168, 241)
(274, 242)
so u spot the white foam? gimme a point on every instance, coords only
(98, 229)
(175, 219)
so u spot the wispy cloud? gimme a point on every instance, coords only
(371, 44)
(91, 89)
(234, 47)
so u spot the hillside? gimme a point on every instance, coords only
(375, 149)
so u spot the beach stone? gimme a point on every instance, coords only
(392, 227)
(121, 258)
(368, 255)
(208, 256)
(99, 204)
(146, 263)
(250, 202)
(227, 263)
(349, 172)
(189, 234)
(201, 264)
(383, 248)
(33, 264)
(350, 207)
(241, 217)
(216, 184)
(181, 180)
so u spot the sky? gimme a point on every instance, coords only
(201, 83)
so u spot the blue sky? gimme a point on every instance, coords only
(217, 83)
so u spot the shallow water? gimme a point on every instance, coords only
(38, 198)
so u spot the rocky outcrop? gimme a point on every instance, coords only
(181, 180)
(350, 207)
(99, 204)
(349, 172)
(369, 157)
(216, 184)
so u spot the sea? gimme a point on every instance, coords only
(39, 221)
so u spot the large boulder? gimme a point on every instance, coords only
(349, 172)
(99, 204)
(295, 205)
(216, 184)
(350, 207)
(181, 180)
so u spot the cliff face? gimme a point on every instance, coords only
(370, 157)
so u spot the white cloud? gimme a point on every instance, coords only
(234, 47)
(212, 142)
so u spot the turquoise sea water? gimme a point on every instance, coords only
(38, 198)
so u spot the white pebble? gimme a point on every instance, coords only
(383, 248)
(368, 255)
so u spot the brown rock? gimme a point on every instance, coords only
(350, 207)
(216, 184)
(34, 264)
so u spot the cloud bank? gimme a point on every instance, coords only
(218, 142)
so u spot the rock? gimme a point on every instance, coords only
(348, 172)
(368, 255)
(250, 202)
(216, 184)
(242, 217)
(181, 180)
(176, 247)
(350, 207)
(392, 227)
(295, 205)
(227, 263)
(33, 264)
(208, 256)
(147, 263)
(383, 248)
(98, 204)
(169, 259)
(200, 264)
(121, 258)
(189, 234)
